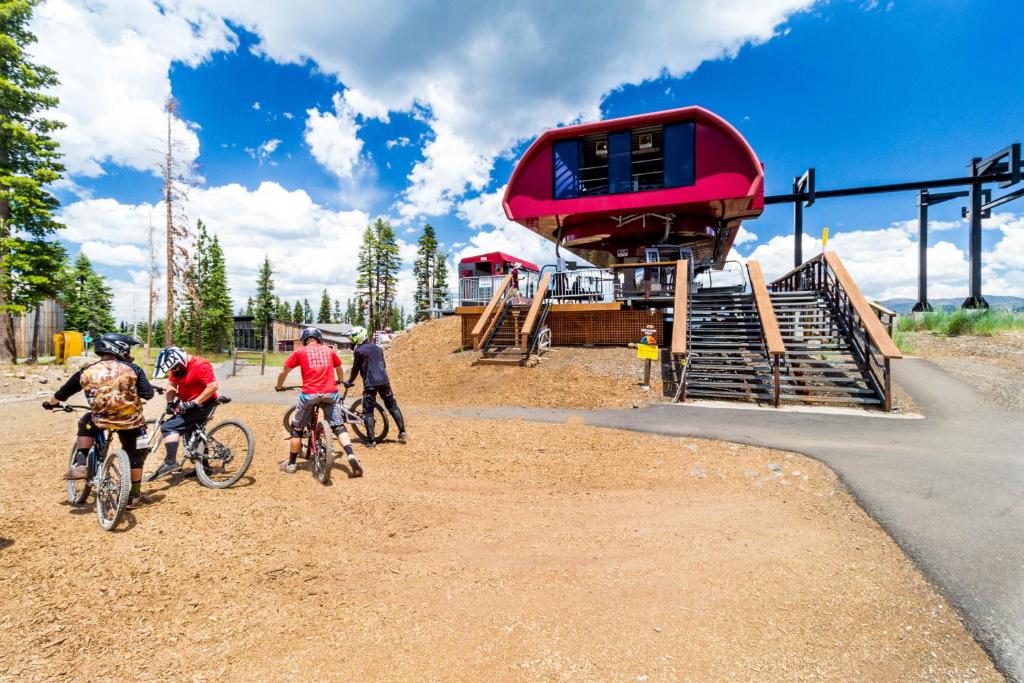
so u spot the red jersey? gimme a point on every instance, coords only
(317, 362)
(198, 375)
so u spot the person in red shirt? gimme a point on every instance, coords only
(191, 397)
(321, 374)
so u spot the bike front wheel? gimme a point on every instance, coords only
(78, 489)
(323, 452)
(380, 421)
(228, 454)
(113, 484)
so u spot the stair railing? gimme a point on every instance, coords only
(872, 346)
(533, 316)
(484, 326)
(771, 337)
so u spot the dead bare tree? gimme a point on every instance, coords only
(154, 295)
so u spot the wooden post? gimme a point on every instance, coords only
(263, 361)
(647, 373)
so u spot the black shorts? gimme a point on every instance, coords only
(132, 440)
(184, 422)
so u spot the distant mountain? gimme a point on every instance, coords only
(902, 306)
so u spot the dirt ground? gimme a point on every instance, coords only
(428, 356)
(479, 551)
(994, 365)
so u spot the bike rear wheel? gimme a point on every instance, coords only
(287, 419)
(113, 485)
(323, 452)
(381, 425)
(78, 489)
(228, 454)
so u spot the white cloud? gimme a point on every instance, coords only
(400, 141)
(256, 106)
(113, 60)
(114, 254)
(484, 209)
(365, 106)
(333, 138)
(288, 115)
(502, 72)
(743, 236)
(266, 148)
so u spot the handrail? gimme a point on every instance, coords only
(872, 325)
(531, 316)
(486, 322)
(887, 317)
(680, 306)
(765, 310)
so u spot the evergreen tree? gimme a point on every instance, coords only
(336, 313)
(307, 312)
(297, 314)
(263, 307)
(324, 314)
(350, 312)
(87, 300)
(378, 266)
(366, 267)
(423, 271)
(29, 162)
(283, 311)
(440, 280)
(249, 310)
(218, 325)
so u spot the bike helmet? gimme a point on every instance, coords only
(169, 358)
(312, 333)
(358, 335)
(115, 344)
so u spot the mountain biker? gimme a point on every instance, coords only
(191, 398)
(369, 362)
(115, 388)
(318, 363)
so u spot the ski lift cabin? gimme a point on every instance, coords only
(480, 274)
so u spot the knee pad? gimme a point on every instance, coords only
(294, 432)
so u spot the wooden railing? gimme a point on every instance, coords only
(871, 345)
(775, 349)
(489, 317)
(680, 308)
(534, 312)
(887, 317)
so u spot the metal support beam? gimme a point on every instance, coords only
(924, 200)
(975, 300)
(881, 189)
(803, 186)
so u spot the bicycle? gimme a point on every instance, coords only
(354, 416)
(217, 454)
(316, 433)
(109, 474)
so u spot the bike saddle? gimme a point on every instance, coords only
(223, 399)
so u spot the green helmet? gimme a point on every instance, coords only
(358, 335)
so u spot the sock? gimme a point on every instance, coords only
(172, 452)
(292, 457)
(348, 451)
(136, 488)
(81, 456)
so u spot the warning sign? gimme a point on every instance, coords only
(647, 352)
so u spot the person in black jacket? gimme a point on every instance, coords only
(368, 361)
(115, 388)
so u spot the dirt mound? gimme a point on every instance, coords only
(428, 367)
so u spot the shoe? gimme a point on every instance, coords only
(402, 437)
(357, 469)
(165, 468)
(139, 501)
(287, 467)
(78, 472)
(370, 444)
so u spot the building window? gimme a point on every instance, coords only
(566, 169)
(593, 165)
(680, 166)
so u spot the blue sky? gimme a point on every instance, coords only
(304, 128)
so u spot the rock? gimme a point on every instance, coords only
(75, 363)
(42, 380)
(697, 472)
(773, 467)
(19, 375)
(796, 473)
(753, 474)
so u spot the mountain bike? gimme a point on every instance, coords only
(220, 456)
(353, 415)
(109, 475)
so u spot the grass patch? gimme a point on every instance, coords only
(903, 342)
(955, 323)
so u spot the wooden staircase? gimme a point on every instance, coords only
(511, 327)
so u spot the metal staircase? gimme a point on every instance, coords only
(727, 357)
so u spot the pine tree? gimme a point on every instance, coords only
(440, 280)
(378, 266)
(366, 266)
(324, 314)
(297, 314)
(87, 300)
(282, 311)
(29, 162)
(423, 270)
(249, 310)
(336, 314)
(263, 307)
(307, 312)
(218, 326)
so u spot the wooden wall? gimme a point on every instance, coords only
(51, 321)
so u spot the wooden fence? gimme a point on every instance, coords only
(51, 321)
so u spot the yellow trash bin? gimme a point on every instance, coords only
(58, 347)
(74, 344)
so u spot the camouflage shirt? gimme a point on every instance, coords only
(114, 389)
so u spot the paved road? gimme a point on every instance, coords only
(949, 488)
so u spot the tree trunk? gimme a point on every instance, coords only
(34, 352)
(169, 202)
(8, 351)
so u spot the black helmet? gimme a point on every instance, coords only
(312, 333)
(115, 344)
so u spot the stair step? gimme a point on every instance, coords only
(826, 389)
(830, 399)
(711, 393)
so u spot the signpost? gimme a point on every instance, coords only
(647, 350)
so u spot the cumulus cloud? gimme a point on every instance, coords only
(333, 137)
(112, 102)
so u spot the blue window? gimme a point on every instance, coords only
(566, 155)
(679, 154)
(619, 157)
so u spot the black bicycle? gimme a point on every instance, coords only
(220, 456)
(109, 475)
(352, 415)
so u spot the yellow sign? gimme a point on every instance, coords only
(646, 352)
(824, 237)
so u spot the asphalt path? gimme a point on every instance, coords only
(949, 488)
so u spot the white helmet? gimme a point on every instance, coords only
(168, 358)
(358, 335)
